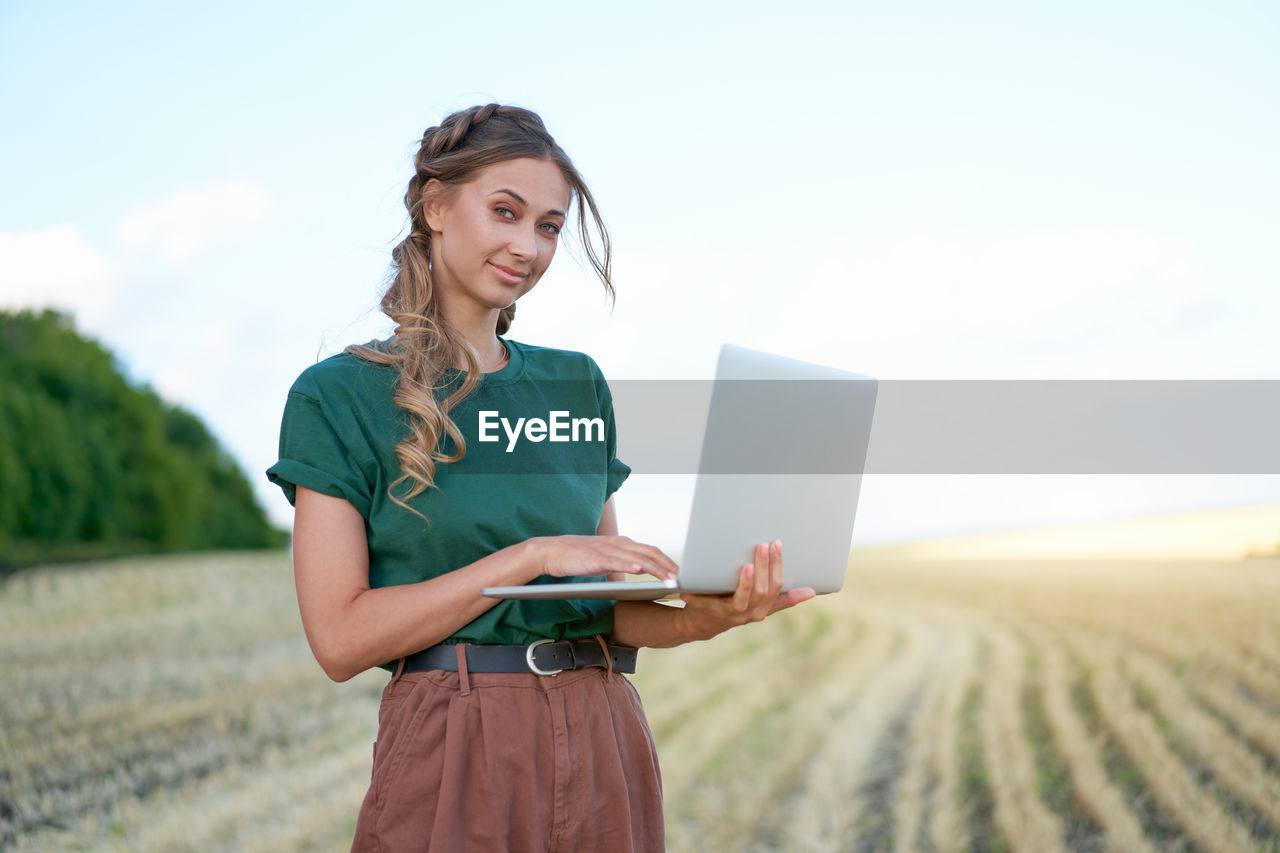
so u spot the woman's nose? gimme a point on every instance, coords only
(524, 244)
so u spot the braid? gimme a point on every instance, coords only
(450, 133)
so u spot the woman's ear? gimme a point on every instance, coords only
(433, 203)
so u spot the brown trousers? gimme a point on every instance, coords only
(512, 762)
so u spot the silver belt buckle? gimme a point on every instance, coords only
(533, 667)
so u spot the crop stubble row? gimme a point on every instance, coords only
(1218, 704)
(838, 725)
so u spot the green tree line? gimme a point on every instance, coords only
(92, 466)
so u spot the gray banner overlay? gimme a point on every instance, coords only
(957, 427)
(928, 427)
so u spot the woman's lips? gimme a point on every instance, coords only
(509, 275)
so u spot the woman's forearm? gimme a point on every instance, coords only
(352, 627)
(650, 624)
(757, 595)
(383, 624)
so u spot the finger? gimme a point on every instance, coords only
(761, 572)
(775, 565)
(635, 562)
(793, 597)
(768, 583)
(625, 564)
(660, 558)
(650, 568)
(649, 553)
(742, 594)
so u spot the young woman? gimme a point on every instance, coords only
(403, 516)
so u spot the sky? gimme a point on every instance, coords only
(922, 190)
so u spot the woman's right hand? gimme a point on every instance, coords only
(576, 556)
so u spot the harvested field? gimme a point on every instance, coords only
(172, 704)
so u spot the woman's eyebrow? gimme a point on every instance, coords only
(517, 197)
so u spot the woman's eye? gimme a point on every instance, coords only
(551, 227)
(505, 212)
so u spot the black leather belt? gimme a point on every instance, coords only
(544, 657)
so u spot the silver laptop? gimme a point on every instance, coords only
(782, 456)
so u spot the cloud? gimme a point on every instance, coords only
(194, 219)
(56, 267)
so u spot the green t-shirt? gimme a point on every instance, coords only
(338, 437)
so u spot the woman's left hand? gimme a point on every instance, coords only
(758, 594)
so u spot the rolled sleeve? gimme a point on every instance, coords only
(619, 471)
(314, 456)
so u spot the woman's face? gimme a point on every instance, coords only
(493, 237)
